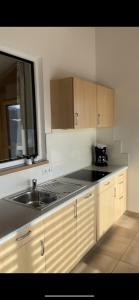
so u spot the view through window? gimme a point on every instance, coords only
(18, 134)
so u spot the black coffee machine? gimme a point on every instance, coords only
(101, 156)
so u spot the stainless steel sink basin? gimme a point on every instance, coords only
(29, 197)
(34, 198)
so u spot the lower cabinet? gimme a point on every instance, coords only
(24, 253)
(69, 234)
(105, 207)
(86, 224)
(60, 240)
(111, 201)
(120, 194)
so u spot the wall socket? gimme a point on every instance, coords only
(46, 170)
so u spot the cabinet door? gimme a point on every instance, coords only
(105, 106)
(106, 215)
(86, 224)
(62, 114)
(121, 192)
(24, 253)
(117, 203)
(31, 257)
(60, 240)
(84, 104)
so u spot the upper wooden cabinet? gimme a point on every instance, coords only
(73, 103)
(78, 103)
(105, 106)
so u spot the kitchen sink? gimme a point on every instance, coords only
(31, 197)
(45, 195)
(38, 199)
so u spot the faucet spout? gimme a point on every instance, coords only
(36, 200)
(34, 184)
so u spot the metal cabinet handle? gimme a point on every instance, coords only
(121, 175)
(42, 247)
(114, 192)
(98, 119)
(88, 196)
(75, 210)
(23, 236)
(76, 118)
(107, 183)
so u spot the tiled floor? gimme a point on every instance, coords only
(118, 252)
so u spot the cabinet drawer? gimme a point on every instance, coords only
(105, 185)
(121, 176)
(88, 198)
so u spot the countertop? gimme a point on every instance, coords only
(14, 216)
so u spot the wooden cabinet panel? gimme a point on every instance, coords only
(86, 224)
(60, 240)
(24, 253)
(105, 214)
(105, 106)
(73, 103)
(105, 185)
(84, 104)
(62, 103)
(69, 234)
(120, 194)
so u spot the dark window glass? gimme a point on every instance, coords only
(18, 134)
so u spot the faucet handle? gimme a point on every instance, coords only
(34, 183)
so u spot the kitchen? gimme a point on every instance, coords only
(97, 59)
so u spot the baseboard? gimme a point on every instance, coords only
(131, 214)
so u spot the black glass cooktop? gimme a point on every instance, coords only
(88, 175)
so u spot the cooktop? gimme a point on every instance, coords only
(87, 175)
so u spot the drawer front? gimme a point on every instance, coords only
(122, 175)
(105, 185)
(121, 180)
(88, 198)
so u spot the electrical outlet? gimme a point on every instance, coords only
(45, 171)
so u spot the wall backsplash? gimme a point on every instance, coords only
(69, 150)
(116, 155)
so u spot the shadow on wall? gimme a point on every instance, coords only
(115, 154)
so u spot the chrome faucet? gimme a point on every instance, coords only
(35, 192)
(34, 184)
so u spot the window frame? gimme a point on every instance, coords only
(38, 103)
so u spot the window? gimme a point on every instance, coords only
(18, 133)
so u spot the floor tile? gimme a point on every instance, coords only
(123, 267)
(101, 262)
(115, 247)
(131, 256)
(128, 222)
(136, 237)
(119, 231)
(117, 252)
(82, 267)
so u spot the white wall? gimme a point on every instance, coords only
(64, 51)
(117, 56)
